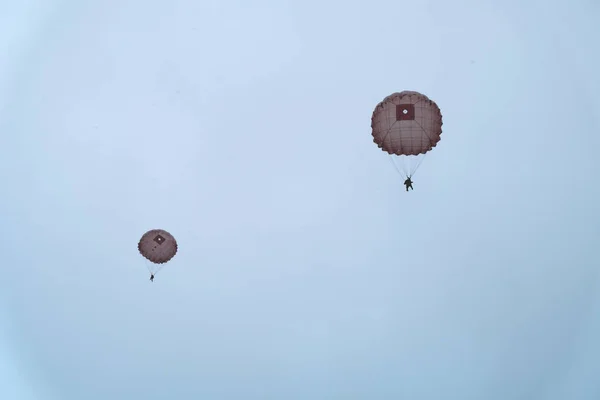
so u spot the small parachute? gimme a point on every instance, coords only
(408, 125)
(157, 246)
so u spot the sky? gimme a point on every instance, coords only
(304, 270)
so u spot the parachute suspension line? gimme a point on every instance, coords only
(150, 266)
(405, 165)
(407, 171)
(403, 174)
(418, 164)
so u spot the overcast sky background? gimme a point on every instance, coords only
(304, 271)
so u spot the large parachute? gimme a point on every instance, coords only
(158, 246)
(407, 124)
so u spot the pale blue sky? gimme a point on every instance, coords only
(304, 271)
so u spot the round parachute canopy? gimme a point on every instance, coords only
(158, 246)
(407, 125)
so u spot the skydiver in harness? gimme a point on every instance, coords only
(151, 277)
(408, 184)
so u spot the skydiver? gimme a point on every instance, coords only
(151, 277)
(408, 184)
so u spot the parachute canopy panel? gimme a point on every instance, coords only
(406, 123)
(158, 246)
